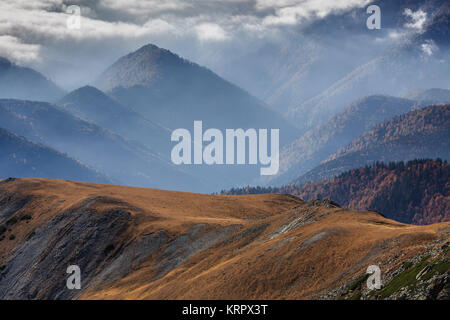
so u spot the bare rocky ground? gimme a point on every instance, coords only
(425, 277)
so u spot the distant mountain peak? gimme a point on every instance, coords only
(87, 94)
(151, 53)
(90, 98)
(142, 67)
(87, 90)
(151, 48)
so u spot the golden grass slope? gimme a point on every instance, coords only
(270, 246)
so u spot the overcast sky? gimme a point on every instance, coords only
(35, 32)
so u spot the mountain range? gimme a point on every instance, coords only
(175, 92)
(109, 153)
(148, 94)
(423, 133)
(147, 141)
(146, 97)
(164, 88)
(310, 90)
(317, 144)
(308, 75)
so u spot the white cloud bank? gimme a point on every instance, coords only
(290, 12)
(27, 25)
(15, 50)
(211, 32)
(417, 19)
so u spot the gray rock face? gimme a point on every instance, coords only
(37, 268)
(97, 242)
(9, 204)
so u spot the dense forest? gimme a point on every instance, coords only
(416, 192)
(422, 133)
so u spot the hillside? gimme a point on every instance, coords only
(152, 244)
(93, 105)
(417, 192)
(121, 159)
(18, 82)
(423, 133)
(309, 150)
(20, 157)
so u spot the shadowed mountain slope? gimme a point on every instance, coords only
(423, 133)
(22, 158)
(98, 148)
(24, 83)
(319, 143)
(93, 105)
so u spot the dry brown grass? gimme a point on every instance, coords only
(302, 263)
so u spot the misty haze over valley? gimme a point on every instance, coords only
(320, 76)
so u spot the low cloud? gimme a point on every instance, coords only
(145, 7)
(289, 12)
(46, 24)
(417, 19)
(41, 21)
(211, 32)
(22, 53)
(34, 30)
(429, 48)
